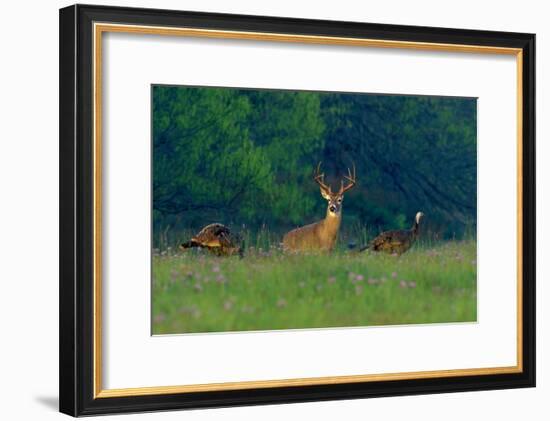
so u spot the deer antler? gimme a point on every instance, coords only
(320, 179)
(352, 181)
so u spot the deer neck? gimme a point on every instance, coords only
(331, 223)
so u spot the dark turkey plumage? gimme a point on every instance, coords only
(397, 241)
(217, 239)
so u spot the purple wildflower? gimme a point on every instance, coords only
(159, 318)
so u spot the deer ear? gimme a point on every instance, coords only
(325, 194)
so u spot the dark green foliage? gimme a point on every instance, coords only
(241, 156)
(417, 153)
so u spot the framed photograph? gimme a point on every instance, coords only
(261, 210)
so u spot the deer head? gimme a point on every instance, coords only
(334, 199)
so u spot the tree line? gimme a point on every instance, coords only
(246, 156)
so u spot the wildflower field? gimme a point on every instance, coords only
(266, 290)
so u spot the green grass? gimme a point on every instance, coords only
(194, 292)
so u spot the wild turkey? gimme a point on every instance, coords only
(397, 241)
(217, 239)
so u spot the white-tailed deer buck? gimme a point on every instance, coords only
(321, 235)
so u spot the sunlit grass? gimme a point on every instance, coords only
(266, 290)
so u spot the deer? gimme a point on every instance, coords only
(321, 235)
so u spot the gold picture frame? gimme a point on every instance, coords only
(81, 58)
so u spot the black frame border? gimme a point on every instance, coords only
(76, 291)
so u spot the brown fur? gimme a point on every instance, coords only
(320, 235)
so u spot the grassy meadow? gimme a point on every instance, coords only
(267, 289)
(246, 157)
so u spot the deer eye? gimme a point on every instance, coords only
(340, 200)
